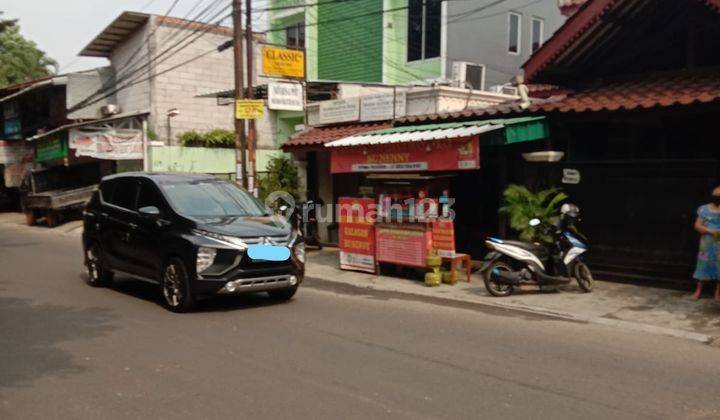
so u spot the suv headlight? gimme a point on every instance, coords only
(205, 258)
(299, 251)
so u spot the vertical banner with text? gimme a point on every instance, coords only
(357, 234)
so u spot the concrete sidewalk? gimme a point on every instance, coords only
(17, 221)
(639, 308)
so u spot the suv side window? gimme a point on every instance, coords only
(125, 193)
(150, 196)
(106, 191)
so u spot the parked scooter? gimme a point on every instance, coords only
(513, 263)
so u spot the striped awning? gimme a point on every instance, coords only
(430, 132)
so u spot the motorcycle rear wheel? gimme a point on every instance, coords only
(494, 288)
(584, 277)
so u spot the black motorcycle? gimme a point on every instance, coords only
(510, 264)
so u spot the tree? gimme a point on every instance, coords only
(282, 175)
(20, 58)
(522, 205)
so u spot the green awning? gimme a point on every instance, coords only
(518, 130)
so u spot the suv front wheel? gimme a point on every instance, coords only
(175, 287)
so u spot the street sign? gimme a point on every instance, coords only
(571, 176)
(283, 62)
(249, 109)
(285, 96)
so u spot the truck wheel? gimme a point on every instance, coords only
(282, 295)
(97, 275)
(51, 219)
(30, 218)
(175, 287)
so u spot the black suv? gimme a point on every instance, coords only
(193, 235)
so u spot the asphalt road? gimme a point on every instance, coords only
(70, 351)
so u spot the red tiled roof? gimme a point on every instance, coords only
(588, 16)
(318, 136)
(641, 92)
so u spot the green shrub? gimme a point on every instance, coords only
(215, 138)
(522, 205)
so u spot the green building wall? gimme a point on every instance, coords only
(350, 38)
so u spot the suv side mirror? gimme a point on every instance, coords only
(150, 212)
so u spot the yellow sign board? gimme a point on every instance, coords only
(249, 109)
(283, 62)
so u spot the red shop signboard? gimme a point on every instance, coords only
(357, 234)
(437, 155)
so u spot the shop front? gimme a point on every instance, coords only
(404, 207)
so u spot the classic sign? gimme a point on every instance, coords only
(107, 143)
(283, 62)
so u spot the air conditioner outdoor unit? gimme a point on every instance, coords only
(505, 90)
(468, 75)
(109, 110)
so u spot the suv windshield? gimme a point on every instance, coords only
(210, 198)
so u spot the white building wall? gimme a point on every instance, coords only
(135, 98)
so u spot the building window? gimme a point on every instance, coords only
(295, 35)
(514, 33)
(424, 20)
(537, 33)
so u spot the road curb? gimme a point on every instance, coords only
(618, 323)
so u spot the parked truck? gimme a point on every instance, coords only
(58, 193)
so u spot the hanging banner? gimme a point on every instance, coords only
(285, 96)
(445, 155)
(14, 174)
(12, 152)
(357, 234)
(249, 109)
(107, 143)
(283, 62)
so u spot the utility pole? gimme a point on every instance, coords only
(240, 141)
(252, 133)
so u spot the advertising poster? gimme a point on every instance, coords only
(357, 234)
(443, 232)
(107, 143)
(402, 245)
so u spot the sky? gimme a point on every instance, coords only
(62, 28)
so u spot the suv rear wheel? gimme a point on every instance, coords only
(175, 287)
(97, 275)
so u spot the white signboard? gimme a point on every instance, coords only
(339, 110)
(107, 143)
(383, 106)
(285, 96)
(571, 176)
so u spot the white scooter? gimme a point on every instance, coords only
(510, 264)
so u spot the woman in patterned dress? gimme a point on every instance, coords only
(708, 260)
